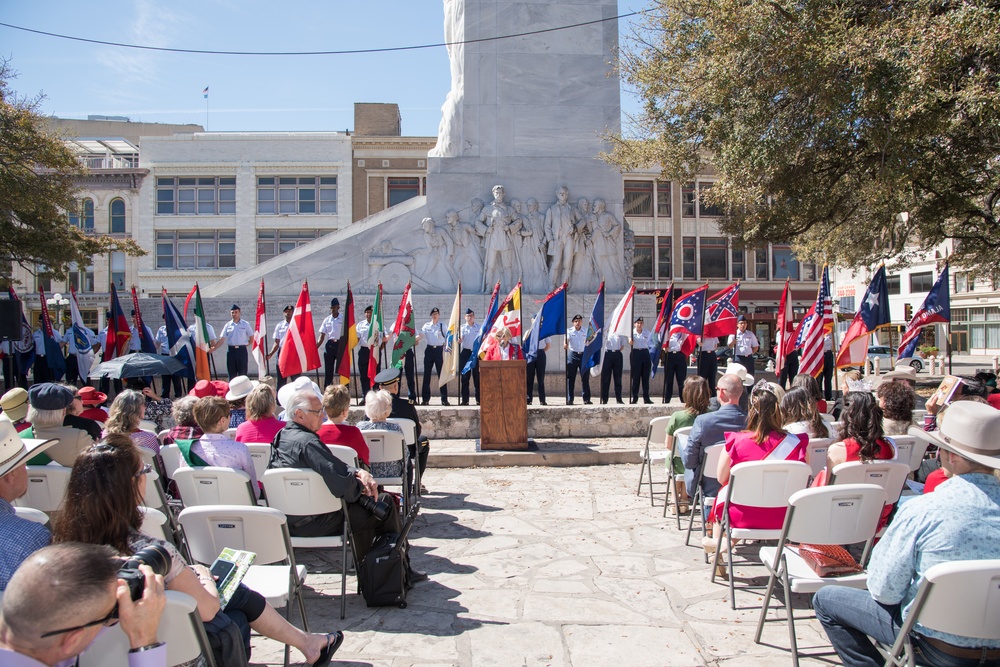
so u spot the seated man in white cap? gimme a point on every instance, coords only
(959, 521)
(19, 538)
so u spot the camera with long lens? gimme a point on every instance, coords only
(376, 507)
(155, 556)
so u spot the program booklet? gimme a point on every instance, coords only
(231, 566)
(947, 389)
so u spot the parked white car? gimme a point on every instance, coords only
(883, 352)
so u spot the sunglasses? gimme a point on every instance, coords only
(144, 470)
(109, 620)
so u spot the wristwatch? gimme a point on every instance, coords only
(148, 647)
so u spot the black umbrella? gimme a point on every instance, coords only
(140, 364)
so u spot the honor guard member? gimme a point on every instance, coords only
(237, 334)
(134, 343)
(104, 384)
(435, 334)
(364, 351)
(468, 333)
(403, 408)
(536, 370)
(194, 340)
(708, 363)
(576, 342)
(330, 330)
(744, 344)
(42, 372)
(72, 367)
(163, 347)
(640, 361)
(675, 366)
(611, 369)
(280, 331)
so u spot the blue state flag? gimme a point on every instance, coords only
(592, 353)
(550, 321)
(178, 337)
(491, 316)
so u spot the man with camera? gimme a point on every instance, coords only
(60, 599)
(297, 446)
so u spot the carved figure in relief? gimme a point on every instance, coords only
(438, 249)
(559, 228)
(497, 225)
(533, 250)
(606, 234)
(584, 274)
(628, 246)
(467, 262)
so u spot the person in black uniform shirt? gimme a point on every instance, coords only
(405, 409)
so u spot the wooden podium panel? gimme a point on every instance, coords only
(503, 412)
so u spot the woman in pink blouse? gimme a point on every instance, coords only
(261, 424)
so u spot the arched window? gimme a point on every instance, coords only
(117, 216)
(84, 217)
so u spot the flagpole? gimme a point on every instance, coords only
(566, 345)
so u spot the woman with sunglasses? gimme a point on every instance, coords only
(103, 506)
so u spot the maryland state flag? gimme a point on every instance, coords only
(508, 315)
(299, 353)
(351, 338)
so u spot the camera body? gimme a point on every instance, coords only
(376, 507)
(155, 556)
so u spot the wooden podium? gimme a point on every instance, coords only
(503, 411)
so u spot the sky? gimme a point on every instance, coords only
(246, 93)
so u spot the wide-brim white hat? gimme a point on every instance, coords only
(290, 389)
(240, 387)
(970, 429)
(15, 450)
(738, 370)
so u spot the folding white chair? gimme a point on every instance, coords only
(709, 469)
(816, 456)
(154, 524)
(214, 485)
(841, 515)
(172, 459)
(909, 450)
(758, 484)
(31, 514)
(389, 447)
(161, 436)
(346, 454)
(301, 492)
(148, 425)
(827, 417)
(260, 452)
(890, 475)
(46, 487)
(836, 430)
(410, 436)
(262, 530)
(960, 598)
(230, 433)
(656, 435)
(677, 447)
(180, 627)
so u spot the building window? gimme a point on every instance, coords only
(187, 250)
(196, 196)
(81, 281)
(688, 200)
(296, 195)
(760, 260)
(663, 199)
(688, 257)
(921, 282)
(964, 283)
(273, 242)
(401, 189)
(784, 264)
(739, 259)
(90, 319)
(117, 215)
(847, 304)
(704, 210)
(84, 216)
(892, 283)
(713, 258)
(665, 261)
(117, 262)
(639, 199)
(642, 262)
(42, 280)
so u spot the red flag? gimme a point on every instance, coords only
(784, 328)
(258, 347)
(116, 341)
(350, 335)
(299, 353)
(720, 320)
(45, 322)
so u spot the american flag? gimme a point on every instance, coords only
(813, 327)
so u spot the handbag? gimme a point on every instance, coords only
(829, 560)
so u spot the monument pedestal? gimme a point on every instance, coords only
(503, 411)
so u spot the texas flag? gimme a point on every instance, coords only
(935, 308)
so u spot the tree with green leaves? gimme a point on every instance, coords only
(857, 130)
(38, 184)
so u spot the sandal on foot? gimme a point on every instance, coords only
(331, 647)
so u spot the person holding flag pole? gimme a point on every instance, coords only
(687, 323)
(619, 333)
(453, 343)
(349, 339)
(81, 343)
(258, 346)
(299, 353)
(550, 321)
(576, 343)
(404, 340)
(720, 320)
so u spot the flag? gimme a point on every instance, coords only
(664, 304)
(299, 353)
(909, 349)
(818, 321)
(784, 328)
(491, 314)
(404, 329)
(146, 343)
(205, 92)
(508, 315)
(375, 334)
(351, 336)
(54, 358)
(258, 347)
(720, 319)
(118, 335)
(935, 308)
(688, 317)
(621, 323)
(81, 336)
(550, 321)
(187, 301)
(452, 343)
(24, 349)
(178, 337)
(593, 351)
(871, 316)
(202, 369)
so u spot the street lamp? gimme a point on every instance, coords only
(58, 301)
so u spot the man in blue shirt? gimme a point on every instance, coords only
(960, 520)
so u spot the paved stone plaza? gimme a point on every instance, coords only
(550, 566)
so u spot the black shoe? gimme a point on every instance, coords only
(647, 401)
(570, 402)
(425, 402)
(633, 401)
(588, 403)
(464, 403)
(444, 401)
(415, 578)
(543, 402)
(619, 401)
(529, 401)
(331, 647)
